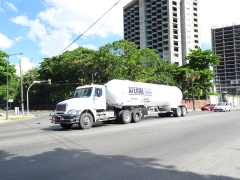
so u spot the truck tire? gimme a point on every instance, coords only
(136, 116)
(66, 126)
(177, 112)
(125, 117)
(86, 121)
(183, 111)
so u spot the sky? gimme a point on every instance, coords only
(44, 28)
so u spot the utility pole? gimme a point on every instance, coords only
(22, 103)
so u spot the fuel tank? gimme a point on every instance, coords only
(130, 93)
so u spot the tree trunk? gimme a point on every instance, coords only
(193, 97)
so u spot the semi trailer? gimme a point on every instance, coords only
(122, 101)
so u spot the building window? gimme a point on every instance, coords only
(174, 3)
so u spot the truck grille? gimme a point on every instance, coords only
(61, 107)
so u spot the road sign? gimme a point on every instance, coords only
(10, 100)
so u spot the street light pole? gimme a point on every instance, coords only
(48, 81)
(22, 104)
(7, 91)
(7, 84)
(193, 96)
(27, 95)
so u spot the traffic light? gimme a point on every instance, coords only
(49, 81)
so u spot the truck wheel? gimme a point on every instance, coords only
(66, 126)
(125, 117)
(136, 116)
(183, 111)
(86, 121)
(177, 112)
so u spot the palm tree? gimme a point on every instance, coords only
(190, 76)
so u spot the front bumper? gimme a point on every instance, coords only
(218, 109)
(65, 119)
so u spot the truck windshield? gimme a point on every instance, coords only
(82, 93)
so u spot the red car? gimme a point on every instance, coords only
(208, 107)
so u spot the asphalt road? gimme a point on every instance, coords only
(202, 145)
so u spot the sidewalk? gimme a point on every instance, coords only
(191, 110)
(12, 117)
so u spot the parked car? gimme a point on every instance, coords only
(208, 107)
(222, 106)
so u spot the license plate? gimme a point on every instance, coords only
(62, 119)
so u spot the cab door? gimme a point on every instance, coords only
(99, 98)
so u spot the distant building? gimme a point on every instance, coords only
(171, 27)
(226, 43)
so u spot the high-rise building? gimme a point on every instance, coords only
(226, 43)
(171, 27)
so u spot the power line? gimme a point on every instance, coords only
(102, 24)
(90, 27)
(92, 35)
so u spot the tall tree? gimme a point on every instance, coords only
(202, 61)
(165, 73)
(124, 60)
(13, 82)
(67, 71)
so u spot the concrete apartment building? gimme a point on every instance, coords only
(226, 43)
(171, 27)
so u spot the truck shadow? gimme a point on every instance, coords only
(78, 163)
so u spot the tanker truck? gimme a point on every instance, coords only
(122, 101)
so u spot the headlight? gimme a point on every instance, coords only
(72, 111)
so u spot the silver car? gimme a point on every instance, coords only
(222, 106)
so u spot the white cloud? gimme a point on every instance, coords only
(51, 42)
(11, 6)
(5, 43)
(79, 16)
(55, 42)
(36, 28)
(25, 65)
(90, 46)
(18, 38)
